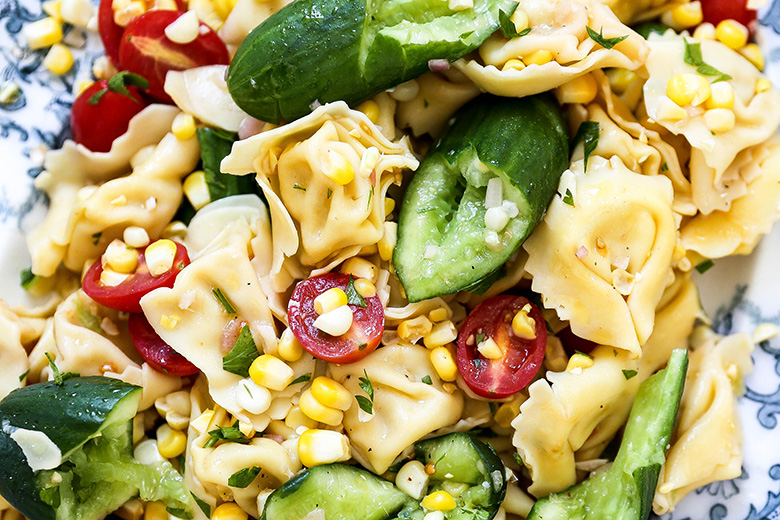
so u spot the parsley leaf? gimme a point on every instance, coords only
(58, 378)
(480, 338)
(28, 278)
(242, 478)
(305, 378)
(330, 192)
(583, 354)
(179, 513)
(568, 198)
(628, 374)
(664, 167)
(517, 458)
(427, 380)
(493, 408)
(202, 505)
(297, 186)
(705, 266)
(221, 298)
(21, 377)
(96, 238)
(370, 198)
(227, 434)
(607, 43)
(588, 133)
(353, 297)
(508, 28)
(366, 403)
(693, 57)
(240, 357)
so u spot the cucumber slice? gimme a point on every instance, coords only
(626, 489)
(328, 50)
(523, 142)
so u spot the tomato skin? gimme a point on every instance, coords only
(127, 295)
(361, 339)
(155, 351)
(144, 49)
(499, 378)
(96, 126)
(716, 11)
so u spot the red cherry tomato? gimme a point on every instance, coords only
(127, 295)
(360, 340)
(716, 11)
(498, 378)
(155, 351)
(97, 125)
(145, 50)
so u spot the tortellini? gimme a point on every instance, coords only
(318, 222)
(707, 443)
(17, 332)
(633, 11)
(601, 258)
(560, 27)
(405, 408)
(559, 416)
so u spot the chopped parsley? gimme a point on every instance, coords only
(58, 378)
(628, 374)
(96, 238)
(330, 192)
(305, 378)
(241, 356)
(508, 28)
(480, 338)
(353, 297)
(179, 513)
(297, 186)
(366, 403)
(221, 298)
(202, 505)
(588, 133)
(21, 377)
(705, 266)
(568, 198)
(693, 57)
(28, 279)
(227, 434)
(242, 478)
(607, 43)
(427, 380)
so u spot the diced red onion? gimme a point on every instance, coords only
(439, 65)
(581, 253)
(249, 127)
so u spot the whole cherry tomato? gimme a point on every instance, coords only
(716, 11)
(96, 120)
(360, 340)
(127, 295)
(521, 359)
(146, 50)
(155, 351)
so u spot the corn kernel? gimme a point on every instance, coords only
(441, 334)
(331, 299)
(53, 8)
(443, 363)
(176, 229)
(753, 53)
(620, 79)
(124, 15)
(720, 120)
(732, 34)
(360, 268)
(271, 372)
(365, 288)
(147, 452)
(579, 90)
(337, 168)
(316, 447)
(722, 96)
(507, 412)
(414, 329)
(579, 361)
(336, 322)
(668, 110)
(371, 109)
(183, 126)
(387, 242)
(120, 258)
(159, 256)
(296, 418)
(58, 60)
(170, 442)
(229, 511)
(252, 397)
(439, 501)
(460, 5)
(705, 31)
(539, 57)
(496, 218)
(523, 325)
(155, 511)
(196, 189)
(762, 85)
(684, 16)
(183, 30)
(689, 88)
(203, 421)
(490, 349)
(439, 314)
(520, 19)
(111, 278)
(135, 236)
(513, 64)
(331, 393)
(412, 479)
(43, 33)
(289, 348)
(319, 412)
(368, 161)
(439, 515)
(77, 12)
(389, 205)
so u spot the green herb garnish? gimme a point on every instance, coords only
(366, 403)
(607, 43)
(241, 356)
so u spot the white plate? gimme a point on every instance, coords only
(739, 293)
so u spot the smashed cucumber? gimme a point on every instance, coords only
(442, 243)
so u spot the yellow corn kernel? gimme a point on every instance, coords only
(443, 363)
(183, 126)
(513, 64)
(722, 96)
(389, 205)
(203, 421)
(331, 393)
(289, 348)
(111, 278)
(371, 109)
(684, 16)
(524, 326)
(53, 8)
(520, 19)
(159, 256)
(360, 268)
(176, 229)
(196, 189)
(316, 447)
(183, 30)
(753, 53)
(439, 314)
(720, 120)
(229, 511)
(365, 288)
(689, 88)
(668, 110)
(43, 33)
(439, 501)
(539, 57)
(319, 412)
(732, 34)
(331, 299)
(155, 511)
(170, 442)
(705, 31)
(579, 361)
(387, 242)
(296, 418)
(414, 329)
(58, 60)
(124, 15)
(80, 85)
(762, 85)
(335, 322)
(507, 412)
(441, 334)
(490, 349)
(224, 7)
(579, 90)
(337, 168)
(120, 257)
(271, 372)
(620, 79)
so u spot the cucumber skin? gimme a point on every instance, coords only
(310, 50)
(526, 139)
(626, 490)
(42, 407)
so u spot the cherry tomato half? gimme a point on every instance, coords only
(502, 377)
(155, 351)
(145, 50)
(715, 11)
(127, 295)
(97, 125)
(360, 340)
